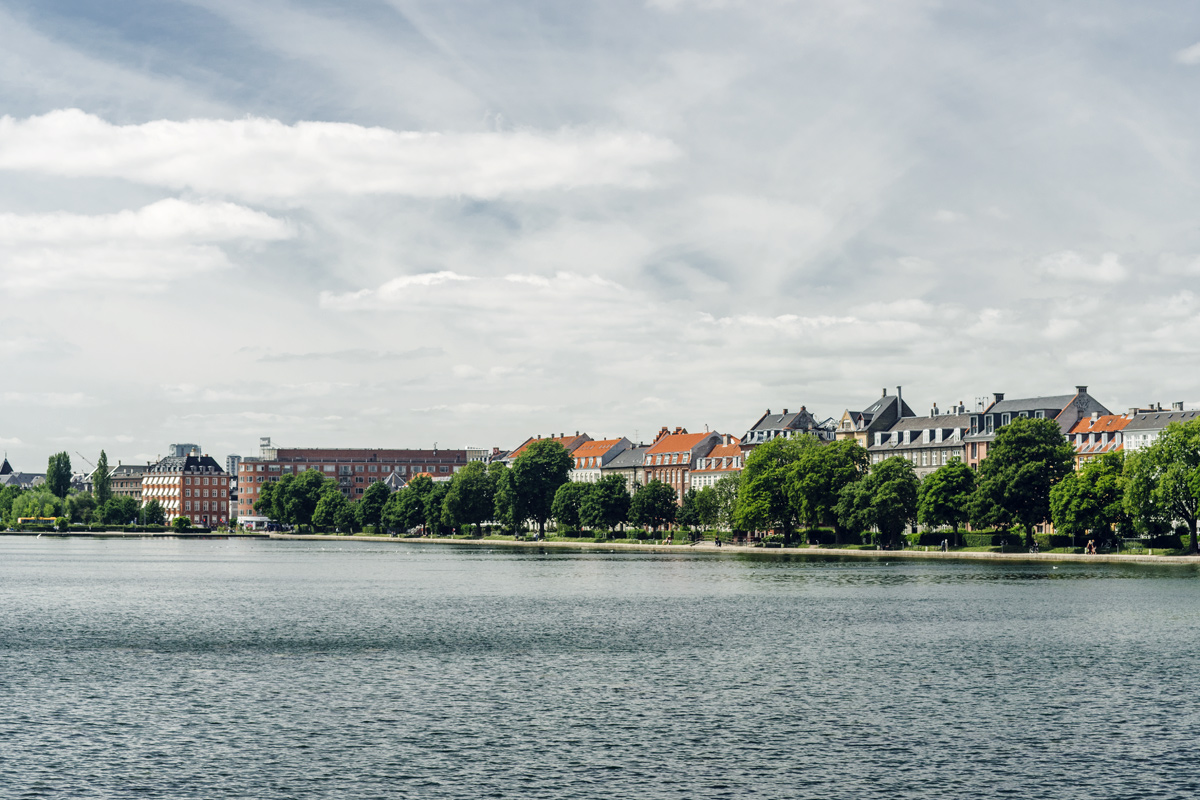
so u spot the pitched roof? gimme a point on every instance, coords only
(1051, 403)
(188, 463)
(1157, 420)
(944, 421)
(596, 447)
(1102, 424)
(730, 451)
(678, 442)
(633, 457)
(883, 403)
(6, 468)
(796, 420)
(569, 442)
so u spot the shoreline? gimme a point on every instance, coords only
(808, 550)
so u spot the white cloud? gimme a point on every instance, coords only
(1189, 55)
(152, 245)
(1071, 266)
(265, 158)
(49, 399)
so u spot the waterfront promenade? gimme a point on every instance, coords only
(807, 550)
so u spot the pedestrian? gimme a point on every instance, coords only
(945, 545)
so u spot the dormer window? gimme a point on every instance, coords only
(1039, 415)
(1005, 419)
(989, 422)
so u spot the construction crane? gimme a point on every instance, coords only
(90, 464)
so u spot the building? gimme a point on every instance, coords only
(787, 425)
(231, 467)
(1096, 435)
(1144, 426)
(353, 469)
(181, 450)
(725, 458)
(928, 442)
(630, 464)
(591, 457)
(1067, 410)
(879, 416)
(126, 480)
(568, 442)
(673, 455)
(191, 486)
(22, 480)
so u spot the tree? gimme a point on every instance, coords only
(607, 504)
(1164, 479)
(331, 509)
(944, 496)
(763, 501)
(101, 480)
(507, 510)
(81, 507)
(689, 513)
(181, 524)
(707, 507)
(568, 502)
(152, 513)
(119, 511)
(300, 496)
(471, 497)
(405, 509)
(370, 507)
(7, 495)
(1024, 462)
(1091, 499)
(537, 473)
(436, 520)
(58, 474)
(653, 505)
(269, 494)
(886, 499)
(816, 479)
(726, 491)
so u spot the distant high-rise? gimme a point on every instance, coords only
(183, 450)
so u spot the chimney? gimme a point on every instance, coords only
(933, 412)
(576, 433)
(998, 395)
(883, 392)
(899, 402)
(1177, 406)
(1095, 416)
(785, 412)
(1081, 389)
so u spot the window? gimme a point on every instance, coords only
(1039, 415)
(373, 468)
(988, 421)
(359, 468)
(187, 506)
(1005, 419)
(974, 450)
(443, 469)
(187, 481)
(358, 491)
(329, 468)
(358, 479)
(187, 492)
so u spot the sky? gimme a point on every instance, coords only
(395, 223)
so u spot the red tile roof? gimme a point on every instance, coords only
(596, 447)
(677, 443)
(1105, 424)
(569, 442)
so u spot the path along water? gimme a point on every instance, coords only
(221, 669)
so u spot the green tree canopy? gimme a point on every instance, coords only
(1026, 459)
(816, 479)
(1163, 480)
(119, 511)
(944, 496)
(886, 499)
(506, 508)
(437, 521)
(726, 492)
(536, 474)
(405, 509)
(763, 500)
(370, 506)
(58, 474)
(471, 497)
(1092, 499)
(689, 510)
(653, 506)
(607, 504)
(301, 495)
(81, 507)
(568, 504)
(333, 511)
(152, 513)
(101, 480)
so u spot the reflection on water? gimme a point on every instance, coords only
(294, 670)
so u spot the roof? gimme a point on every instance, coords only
(730, 451)
(944, 421)
(596, 447)
(627, 459)
(1102, 424)
(1157, 420)
(569, 442)
(124, 470)
(6, 468)
(883, 403)
(678, 442)
(1052, 403)
(794, 421)
(205, 464)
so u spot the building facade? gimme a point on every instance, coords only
(928, 442)
(630, 464)
(590, 458)
(725, 458)
(1145, 426)
(861, 426)
(567, 441)
(195, 487)
(126, 480)
(353, 469)
(1096, 435)
(787, 425)
(673, 455)
(1066, 410)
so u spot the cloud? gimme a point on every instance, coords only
(265, 158)
(1069, 265)
(49, 399)
(151, 245)
(352, 356)
(1189, 55)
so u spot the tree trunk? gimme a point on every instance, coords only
(1192, 525)
(1029, 536)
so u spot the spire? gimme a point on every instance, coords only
(6, 468)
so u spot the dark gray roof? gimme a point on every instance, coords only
(1055, 403)
(205, 464)
(23, 480)
(6, 468)
(797, 420)
(630, 457)
(883, 404)
(1156, 420)
(127, 470)
(943, 421)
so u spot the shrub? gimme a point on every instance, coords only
(991, 539)
(1169, 542)
(1048, 541)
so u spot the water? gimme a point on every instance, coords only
(251, 669)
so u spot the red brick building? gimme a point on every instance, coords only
(192, 486)
(353, 469)
(673, 456)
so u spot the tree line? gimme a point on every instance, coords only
(56, 498)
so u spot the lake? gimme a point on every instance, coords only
(271, 669)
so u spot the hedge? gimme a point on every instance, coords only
(992, 539)
(1168, 541)
(1051, 541)
(827, 536)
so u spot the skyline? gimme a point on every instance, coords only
(394, 223)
